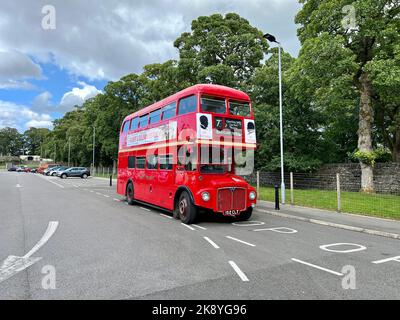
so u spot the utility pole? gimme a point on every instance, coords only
(94, 143)
(69, 150)
(271, 38)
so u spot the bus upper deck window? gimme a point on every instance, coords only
(187, 105)
(155, 116)
(125, 128)
(169, 111)
(213, 104)
(239, 108)
(144, 121)
(134, 123)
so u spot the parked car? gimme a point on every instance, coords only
(49, 168)
(27, 169)
(54, 170)
(34, 170)
(21, 169)
(74, 172)
(12, 169)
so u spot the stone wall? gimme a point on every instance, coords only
(386, 178)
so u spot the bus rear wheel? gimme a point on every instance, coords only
(246, 215)
(129, 194)
(186, 209)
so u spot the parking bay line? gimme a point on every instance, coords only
(189, 227)
(238, 271)
(165, 216)
(241, 241)
(211, 242)
(317, 267)
(200, 227)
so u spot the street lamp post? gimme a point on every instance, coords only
(94, 142)
(271, 38)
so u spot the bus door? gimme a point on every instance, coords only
(151, 188)
(186, 166)
(165, 186)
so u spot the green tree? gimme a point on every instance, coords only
(333, 42)
(33, 140)
(11, 142)
(220, 50)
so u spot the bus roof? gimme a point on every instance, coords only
(211, 89)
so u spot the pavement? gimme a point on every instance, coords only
(78, 239)
(372, 225)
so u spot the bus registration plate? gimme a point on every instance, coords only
(231, 213)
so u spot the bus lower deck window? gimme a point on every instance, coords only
(140, 162)
(152, 162)
(131, 162)
(165, 162)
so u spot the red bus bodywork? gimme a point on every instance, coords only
(229, 194)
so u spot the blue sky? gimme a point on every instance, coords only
(54, 58)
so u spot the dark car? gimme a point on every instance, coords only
(12, 169)
(75, 172)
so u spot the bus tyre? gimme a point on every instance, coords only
(186, 209)
(129, 194)
(246, 215)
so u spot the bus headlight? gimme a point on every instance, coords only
(252, 195)
(205, 196)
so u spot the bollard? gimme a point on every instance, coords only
(110, 180)
(277, 197)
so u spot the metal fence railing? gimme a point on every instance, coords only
(337, 192)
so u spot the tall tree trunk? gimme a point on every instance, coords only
(396, 146)
(366, 115)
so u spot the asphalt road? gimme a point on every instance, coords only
(103, 248)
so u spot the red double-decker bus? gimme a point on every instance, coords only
(184, 153)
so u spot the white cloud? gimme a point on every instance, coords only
(15, 68)
(108, 39)
(77, 96)
(21, 117)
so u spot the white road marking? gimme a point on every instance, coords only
(13, 264)
(115, 199)
(211, 242)
(189, 227)
(18, 186)
(248, 224)
(326, 246)
(98, 193)
(165, 216)
(200, 227)
(317, 267)
(57, 184)
(91, 191)
(279, 230)
(397, 259)
(238, 240)
(76, 186)
(238, 271)
(144, 209)
(104, 195)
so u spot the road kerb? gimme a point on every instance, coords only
(335, 225)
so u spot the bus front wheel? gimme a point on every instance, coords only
(186, 209)
(246, 215)
(129, 194)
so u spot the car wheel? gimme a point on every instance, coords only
(84, 176)
(130, 199)
(246, 215)
(186, 208)
(63, 176)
